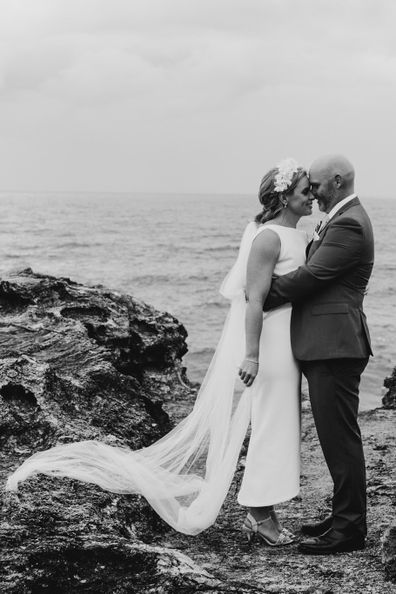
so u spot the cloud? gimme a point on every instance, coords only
(273, 42)
(176, 82)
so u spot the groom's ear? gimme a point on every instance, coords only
(338, 180)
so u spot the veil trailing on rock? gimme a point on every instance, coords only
(185, 476)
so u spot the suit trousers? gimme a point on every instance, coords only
(334, 394)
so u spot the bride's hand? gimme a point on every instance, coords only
(248, 371)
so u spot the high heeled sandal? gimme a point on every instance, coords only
(251, 528)
(284, 530)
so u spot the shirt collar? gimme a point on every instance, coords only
(339, 205)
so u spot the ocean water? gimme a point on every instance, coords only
(173, 251)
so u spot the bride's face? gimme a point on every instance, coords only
(300, 200)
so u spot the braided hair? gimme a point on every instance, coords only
(270, 198)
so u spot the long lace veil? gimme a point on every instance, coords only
(185, 476)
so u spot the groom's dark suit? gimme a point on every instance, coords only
(330, 338)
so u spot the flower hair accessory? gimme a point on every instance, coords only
(286, 169)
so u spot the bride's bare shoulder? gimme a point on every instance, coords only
(266, 241)
(267, 233)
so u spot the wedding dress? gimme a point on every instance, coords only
(272, 470)
(185, 476)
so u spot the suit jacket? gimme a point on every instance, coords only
(327, 293)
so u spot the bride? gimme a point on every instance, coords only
(185, 476)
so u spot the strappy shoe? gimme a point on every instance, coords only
(251, 528)
(284, 530)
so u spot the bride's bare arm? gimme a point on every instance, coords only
(263, 256)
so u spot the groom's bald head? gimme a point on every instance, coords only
(334, 165)
(332, 179)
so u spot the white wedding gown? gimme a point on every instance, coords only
(272, 471)
(185, 476)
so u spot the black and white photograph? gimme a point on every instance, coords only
(197, 296)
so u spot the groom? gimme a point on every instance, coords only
(331, 341)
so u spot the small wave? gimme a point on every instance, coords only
(78, 244)
(202, 351)
(13, 257)
(167, 278)
(149, 279)
(216, 235)
(215, 303)
(195, 277)
(220, 248)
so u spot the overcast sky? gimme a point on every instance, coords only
(193, 95)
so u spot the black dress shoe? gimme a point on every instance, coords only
(317, 529)
(330, 542)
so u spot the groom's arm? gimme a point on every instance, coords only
(339, 251)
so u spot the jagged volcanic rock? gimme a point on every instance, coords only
(389, 399)
(77, 363)
(389, 552)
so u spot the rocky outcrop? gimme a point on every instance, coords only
(79, 363)
(389, 552)
(389, 398)
(82, 362)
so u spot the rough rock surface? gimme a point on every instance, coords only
(223, 552)
(389, 551)
(389, 398)
(82, 363)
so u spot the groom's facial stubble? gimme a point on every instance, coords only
(332, 179)
(323, 190)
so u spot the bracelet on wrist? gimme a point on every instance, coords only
(251, 360)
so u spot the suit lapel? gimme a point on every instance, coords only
(313, 245)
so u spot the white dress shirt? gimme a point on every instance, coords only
(339, 205)
(330, 215)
